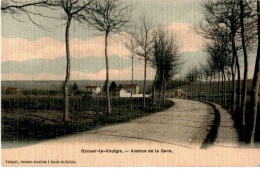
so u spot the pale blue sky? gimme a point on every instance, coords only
(161, 12)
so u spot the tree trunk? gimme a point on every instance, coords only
(219, 87)
(255, 84)
(67, 79)
(144, 87)
(229, 88)
(238, 102)
(244, 88)
(234, 51)
(164, 90)
(191, 94)
(108, 108)
(131, 102)
(225, 90)
(200, 87)
(213, 95)
(154, 84)
(222, 97)
(161, 88)
(206, 88)
(197, 88)
(210, 87)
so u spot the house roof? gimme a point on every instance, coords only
(130, 85)
(91, 87)
(11, 88)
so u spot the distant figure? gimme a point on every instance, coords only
(179, 93)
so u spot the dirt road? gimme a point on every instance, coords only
(186, 124)
(169, 138)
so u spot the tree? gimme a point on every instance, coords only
(223, 17)
(131, 46)
(206, 73)
(112, 86)
(191, 77)
(165, 59)
(120, 86)
(256, 83)
(108, 16)
(246, 15)
(144, 39)
(18, 7)
(75, 87)
(72, 10)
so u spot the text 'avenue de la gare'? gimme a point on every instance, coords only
(126, 151)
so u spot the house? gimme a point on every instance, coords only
(134, 87)
(12, 90)
(123, 93)
(93, 89)
(179, 93)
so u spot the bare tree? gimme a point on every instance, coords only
(247, 29)
(206, 73)
(131, 46)
(165, 59)
(256, 82)
(108, 16)
(72, 10)
(191, 76)
(144, 38)
(17, 8)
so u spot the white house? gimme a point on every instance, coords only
(134, 87)
(93, 89)
(123, 93)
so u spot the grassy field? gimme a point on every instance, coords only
(34, 118)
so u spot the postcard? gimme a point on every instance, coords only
(140, 83)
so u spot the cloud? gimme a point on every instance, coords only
(57, 66)
(19, 49)
(114, 74)
(188, 40)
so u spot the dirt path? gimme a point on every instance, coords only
(227, 135)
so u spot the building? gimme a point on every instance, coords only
(124, 94)
(179, 93)
(134, 87)
(93, 89)
(12, 90)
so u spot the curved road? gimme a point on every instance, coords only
(169, 138)
(185, 124)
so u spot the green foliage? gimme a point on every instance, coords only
(112, 86)
(75, 87)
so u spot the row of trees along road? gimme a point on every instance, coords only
(107, 16)
(231, 30)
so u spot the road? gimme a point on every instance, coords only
(186, 124)
(169, 138)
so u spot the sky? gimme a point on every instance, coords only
(30, 53)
